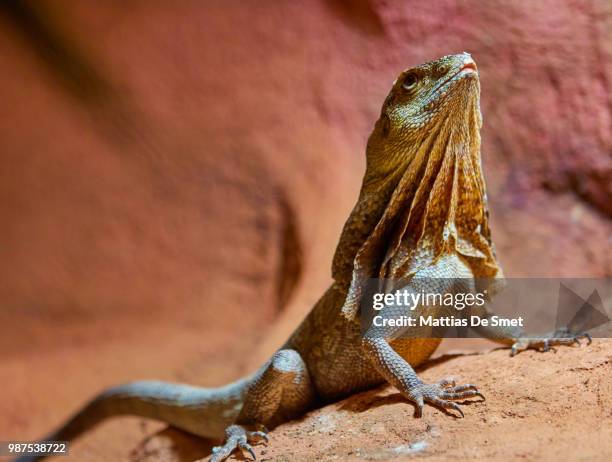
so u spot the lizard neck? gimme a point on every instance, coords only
(369, 209)
(446, 214)
(432, 204)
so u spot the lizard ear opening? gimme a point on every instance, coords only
(385, 123)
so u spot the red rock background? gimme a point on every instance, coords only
(175, 174)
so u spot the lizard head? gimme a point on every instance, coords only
(424, 102)
(423, 194)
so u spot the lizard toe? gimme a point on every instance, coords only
(446, 383)
(462, 394)
(442, 394)
(467, 386)
(248, 448)
(445, 404)
(257, 436)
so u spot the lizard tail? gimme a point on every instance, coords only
(200, 411)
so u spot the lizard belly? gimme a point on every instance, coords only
(415, 351)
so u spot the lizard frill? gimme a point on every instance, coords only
(438, 206)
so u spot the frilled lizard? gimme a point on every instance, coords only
(421, 213)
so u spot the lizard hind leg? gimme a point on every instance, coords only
(279, 391)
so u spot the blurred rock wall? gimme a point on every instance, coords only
(170, 161)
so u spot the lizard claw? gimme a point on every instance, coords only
(447, 405)
(442, 395)
(247, 447)
(236, 437)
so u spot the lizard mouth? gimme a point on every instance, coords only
(469, 67)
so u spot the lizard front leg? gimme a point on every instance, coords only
(402, 376)
(398, 372)
(280, 391)
(515, 337)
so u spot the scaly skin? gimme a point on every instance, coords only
(422, 213)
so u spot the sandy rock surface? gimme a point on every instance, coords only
(539, 406)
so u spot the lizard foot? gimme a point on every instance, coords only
(562, 336)
(441, 394)
(237, 437)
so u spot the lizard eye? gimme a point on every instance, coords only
(410, 81)
(442, 69)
